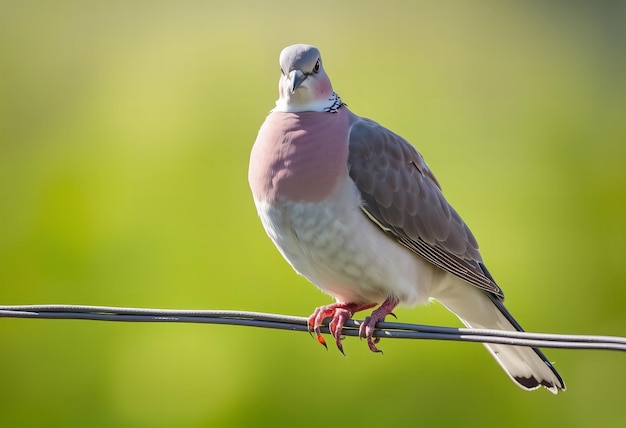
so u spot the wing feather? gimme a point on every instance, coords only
(402, 196)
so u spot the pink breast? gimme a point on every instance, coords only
(299, 156)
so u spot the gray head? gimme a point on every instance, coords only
(304, 84)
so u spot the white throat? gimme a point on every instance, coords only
(289, 105)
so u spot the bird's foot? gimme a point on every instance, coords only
(339, 313)
(366, 329)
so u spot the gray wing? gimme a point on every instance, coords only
(402, 196)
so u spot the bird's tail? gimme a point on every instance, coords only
(527, 367)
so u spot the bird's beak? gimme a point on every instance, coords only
(296, 77)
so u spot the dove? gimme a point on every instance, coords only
(355, 209)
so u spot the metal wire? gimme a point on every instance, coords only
(285, 322)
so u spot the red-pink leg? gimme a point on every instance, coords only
(339, 314)
(366, 329)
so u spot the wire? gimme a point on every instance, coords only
(285, 322)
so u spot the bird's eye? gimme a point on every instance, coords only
(317, 66)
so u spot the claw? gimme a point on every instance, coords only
(340, 347)
(322, 341)
(373, 347)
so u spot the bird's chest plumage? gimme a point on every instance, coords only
(299, 156)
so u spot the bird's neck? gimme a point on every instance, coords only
(294, 105)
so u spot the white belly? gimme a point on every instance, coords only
(335, 246)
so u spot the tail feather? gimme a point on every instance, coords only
(527, 367)
(551, 381)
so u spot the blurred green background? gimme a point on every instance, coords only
(125, 133)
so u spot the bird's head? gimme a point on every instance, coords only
(303, 84)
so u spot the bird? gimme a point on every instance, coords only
(354, 208)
